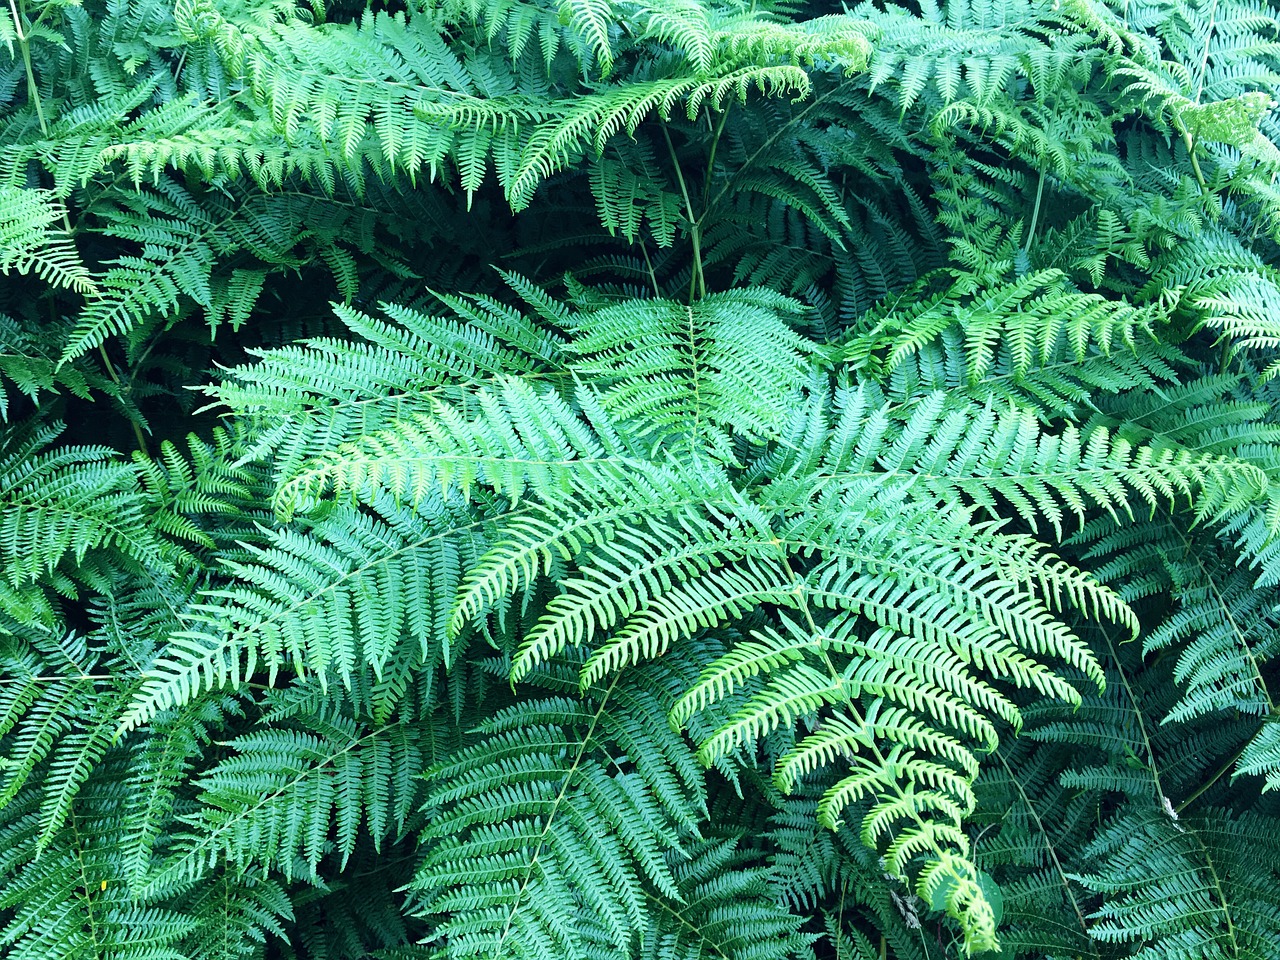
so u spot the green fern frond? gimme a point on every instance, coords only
(682, 374)
(278, 798)
(1032, 318)
(539, 805)
(521, 439)
(64, 503)
(326, 607)
(32, 242)
(1184, 887)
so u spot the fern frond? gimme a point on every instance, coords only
(66, 502)
(31, 243)
(277, 799)
(318, 607)
(1184, 888)
(1031, 318)
(538, 807)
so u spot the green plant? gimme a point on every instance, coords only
(674, 479)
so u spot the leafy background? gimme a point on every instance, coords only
(672, 479)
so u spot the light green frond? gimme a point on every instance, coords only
(33, 239)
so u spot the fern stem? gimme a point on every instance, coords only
(1235, 627)
(115, 378)
(1035, 214)
(198, 851)
(1204, 56)
(777, 135)
(1142, 726)
(1048, 844)
(78, 846)
(663, 903)
(1223, 902)
(711, 155)
(33, 89)
(1222, 770)
(1204, 66)
(653, 277)
(74, 677)
(1191, 152)
(697, 282)
(24, 41)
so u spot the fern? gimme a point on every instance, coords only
(533, 807)
(316, 784)
(636, 546)
(324, 609)
(32, 244)
(65, 503)
(1194, 884)
(661, 478)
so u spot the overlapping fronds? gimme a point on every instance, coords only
(665, 479)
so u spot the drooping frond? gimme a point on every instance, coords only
(32, 240)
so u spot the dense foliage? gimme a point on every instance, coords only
(655, 478)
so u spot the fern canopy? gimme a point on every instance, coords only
(658, 479)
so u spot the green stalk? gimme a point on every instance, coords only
(33, 92)
(1191, 152)
(698, 282)
(1035, 214)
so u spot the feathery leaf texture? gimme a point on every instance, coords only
(673, 479)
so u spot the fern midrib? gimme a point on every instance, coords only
(337, 583)
(183, 864)
(478, 590)
(1052, 850)
(1223, 903)
(550, 821)
(813, 104)
(885, 563)
(1136, 705)
(87, 895)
